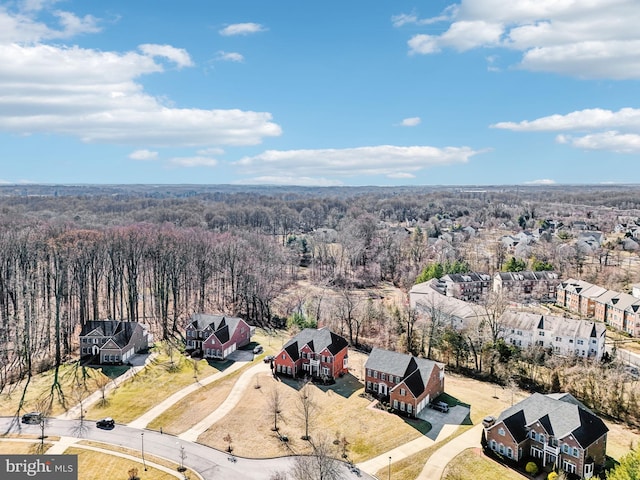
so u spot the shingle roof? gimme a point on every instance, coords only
(119, 331)
(223, 327)
(560, 414)
(317, 340)
(414, 371)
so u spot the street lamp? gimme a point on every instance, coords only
(389, 468)
(143, 462)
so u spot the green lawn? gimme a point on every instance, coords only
(473, 464)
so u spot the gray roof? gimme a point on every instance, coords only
(561, 414)
(317, 339)
(527, 275)
(118, 330)
(222, 327)
(402, 365)
(560, 326)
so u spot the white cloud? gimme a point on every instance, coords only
(210, 151)
(230, 56)
(22, 25)
(589, 39)
(349, 162)
(588, 119)
(177, 55)
(94, 95)
(241, 29)
(288, 180)
(617, 131)
(411, 122)
(412, 18)
(401, 175)
(197, 161)
(143, 155)
(542, 181)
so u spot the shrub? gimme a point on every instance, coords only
(552, 476)
(531, 468)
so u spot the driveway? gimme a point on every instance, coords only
(457, 415)
(241, 356)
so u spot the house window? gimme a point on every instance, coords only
(494, 445)
(375, 374)
(541, 333)
(397, 379)
(575, 452)
(568, 466)
(501, 449)
(395, 404)
(402, 392)
(558, 339)
(501, 432)
(304, 354)
(368, 372)
(368, 385)
(402, 406)
(541, 438)
(409, 407)
(532, 435)
(580, 342)
(565, 448)
(509, 452)
(283, 356)
(325, 371)
(383, 376)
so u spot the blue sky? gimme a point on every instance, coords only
(320, 93)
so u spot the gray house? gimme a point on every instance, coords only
(112, 341)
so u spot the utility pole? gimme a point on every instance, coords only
(143, 462)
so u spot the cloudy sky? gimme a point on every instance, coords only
(320, 93)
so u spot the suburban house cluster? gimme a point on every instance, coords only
(112, 341)
(556, 429)
(618, 309)
(562, 336)
(407, 383)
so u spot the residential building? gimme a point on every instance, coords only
(216, 336)
(428, 299)
(470, 287)
(314, 353)
(579, 296)
(112, 341)
(408, 383)
(556, 430)
(563, 336)
(527, 285)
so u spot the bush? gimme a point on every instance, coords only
(552, 476)
(531, 468)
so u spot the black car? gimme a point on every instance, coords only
(268, 359)
(440, 406)
(32, 417)
(106, 423)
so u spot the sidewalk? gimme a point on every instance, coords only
(375, 464)
(143, 420)
(74, 412)
(437, 462)
(227, 406)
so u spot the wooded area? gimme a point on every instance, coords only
(158, 254)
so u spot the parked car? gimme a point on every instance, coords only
(440, 406)
(32, 417)
(269, 358)
(258, 349)
(106, 423)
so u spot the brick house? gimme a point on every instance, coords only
(216, 336)
(556, 431)
(316, 353)
(112, 341)
(408, 383)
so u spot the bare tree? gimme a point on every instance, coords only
(275, 406)
(320, 465)
(307, 407)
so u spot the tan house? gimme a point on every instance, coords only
(555, 431)
(527, 285)
(112, 341)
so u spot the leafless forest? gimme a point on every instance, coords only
(69, 254)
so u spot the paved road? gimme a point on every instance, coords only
(210, 463)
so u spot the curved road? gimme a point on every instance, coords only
(210, 463)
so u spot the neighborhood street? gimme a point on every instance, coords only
(211, 464)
